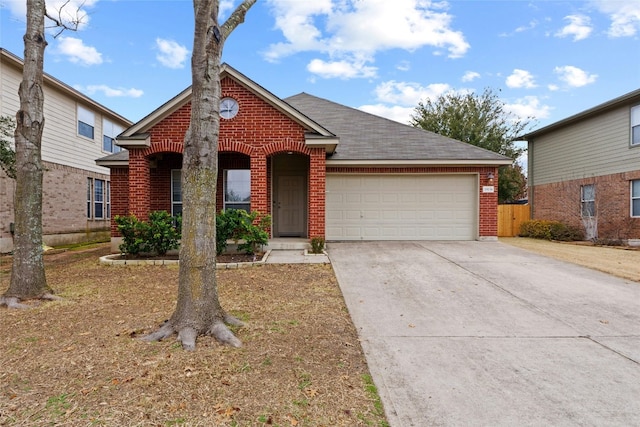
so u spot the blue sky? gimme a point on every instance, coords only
(548, 59)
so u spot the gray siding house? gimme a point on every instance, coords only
(76, 191)
(585, 170)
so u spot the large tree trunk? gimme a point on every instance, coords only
(198, 310)
(27, 275)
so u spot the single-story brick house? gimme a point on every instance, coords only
(585, 170)
(317, 167)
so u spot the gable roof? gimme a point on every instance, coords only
(318, 134)
(351, 136)
(369, 139)
(621, 101)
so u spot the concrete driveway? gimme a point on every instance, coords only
(485, 334)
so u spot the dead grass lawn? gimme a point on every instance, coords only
(75, 363)
(621, 262)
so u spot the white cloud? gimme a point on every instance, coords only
(77, 52)
(520, 79)
(171, 54)
(553, 87)
(356, 30)
(395, 112)
(111, 92)
(470, 76)
(574, 76)
(624, 15)
(341, 69)
(408, 93)
(528, 107)
(579, 27)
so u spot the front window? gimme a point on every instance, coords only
(635, 125)
(635, 198)
(588, 200)
(110, 130)
(237, 189)
(86, 122)
(176, 193)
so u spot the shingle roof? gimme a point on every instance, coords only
(367, 137)
(364, 136)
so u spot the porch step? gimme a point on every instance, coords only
(288, 244)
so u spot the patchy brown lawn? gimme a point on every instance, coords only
(74, 362)
(619, 261)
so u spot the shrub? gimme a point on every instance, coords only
(134, 234)
(317, 245)
(550, 230)
(159, 235)
(163, 232)
(239, 225)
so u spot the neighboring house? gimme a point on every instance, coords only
(585, 170)
(317, 167)
(76, 191)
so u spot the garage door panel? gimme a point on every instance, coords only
(401, 207)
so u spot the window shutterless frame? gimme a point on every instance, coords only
(635, 126)
(635, 198)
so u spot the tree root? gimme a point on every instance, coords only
(14, 302)
(188, 335)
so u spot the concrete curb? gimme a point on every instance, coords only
(109, 260)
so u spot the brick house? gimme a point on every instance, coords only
(76, 205)
(585, 170)
(317, 167)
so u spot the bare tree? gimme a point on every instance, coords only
(198, 310)
(28, 280)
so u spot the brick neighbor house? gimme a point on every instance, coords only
(317, 167)
(77, 130)
(585, 170)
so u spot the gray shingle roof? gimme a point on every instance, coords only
(364, 136)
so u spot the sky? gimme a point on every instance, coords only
(547, 59)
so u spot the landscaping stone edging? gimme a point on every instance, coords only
(108, 260)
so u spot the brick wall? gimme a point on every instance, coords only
(561, 201)
(64, 206)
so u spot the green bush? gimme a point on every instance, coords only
(134, 234)
(550, 230)
(163, 232)
(239, 225)
(158, 235)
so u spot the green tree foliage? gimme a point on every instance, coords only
(512, 184)
(7, 155)
(483, 121)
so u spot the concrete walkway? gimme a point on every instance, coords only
(485, 334)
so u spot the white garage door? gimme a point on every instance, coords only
(401, 207)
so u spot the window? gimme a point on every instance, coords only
(635, 125)
(98, 199)
(237, 189)
(588, 200)
(86, 122)
(176, 192)
(635, 198)
(110, 131)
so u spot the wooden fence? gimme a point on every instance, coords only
(509, 219)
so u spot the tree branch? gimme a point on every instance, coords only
(236, 18)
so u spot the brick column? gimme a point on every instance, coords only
(139, 185)
(259, 184)
(317, 196)
(488, 204)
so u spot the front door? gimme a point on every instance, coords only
(290, 206)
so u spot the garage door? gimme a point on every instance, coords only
(401, 207)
